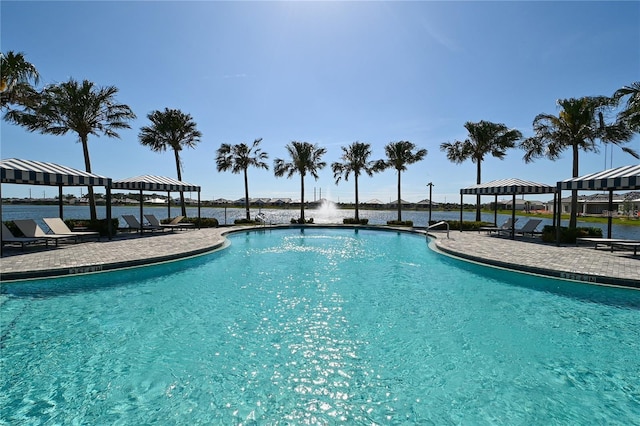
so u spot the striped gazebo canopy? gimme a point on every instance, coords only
(620, 178)
(32, 172)
(154, 183)
(508, 187)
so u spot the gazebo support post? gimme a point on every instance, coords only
(460, 211)
(168, 204)
(109, 225)
(141, 211)
(610, 215)
(60, 202)
(495, 211)
(558, 212)
(198, 209)
(513, 217)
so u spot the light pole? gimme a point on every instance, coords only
(430, 185)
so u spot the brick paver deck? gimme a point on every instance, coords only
(582, 263)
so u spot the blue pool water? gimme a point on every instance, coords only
(318, 327)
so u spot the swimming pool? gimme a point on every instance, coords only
(318, 326)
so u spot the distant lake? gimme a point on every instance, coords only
(322, 215)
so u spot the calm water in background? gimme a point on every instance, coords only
(328, 214)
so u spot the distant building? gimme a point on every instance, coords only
(598, 204)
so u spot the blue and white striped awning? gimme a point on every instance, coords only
(154, 183)
(32, 172)
(508, 187)
(625, 177)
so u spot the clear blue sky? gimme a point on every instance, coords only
(329, 73)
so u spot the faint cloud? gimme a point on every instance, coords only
(240, 75)
(439, 37)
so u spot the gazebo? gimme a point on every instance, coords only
(156, 184)
(616, 179)
(30, 172)
(511, 187)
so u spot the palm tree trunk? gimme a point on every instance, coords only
(399, 202)
(178, 168)
(87, 164)
(246, 195)
(302, 197)
(357, 213)
(573, 221)
(478, 180)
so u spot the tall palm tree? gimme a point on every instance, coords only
(484, 138)
(399, 155)
(238, 158)
(78, 107)
(16, 77)
(305, 158)
(355, 159)
(578, 126)
(630, 115)
(173, 129)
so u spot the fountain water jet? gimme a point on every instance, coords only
(327, 212)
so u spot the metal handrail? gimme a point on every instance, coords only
(438, 224)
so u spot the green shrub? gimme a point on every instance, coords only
(203, 222)
(353, 221)
(569, 235)
(400, 223)
(299, 221)
(244, 221)
(99, 225)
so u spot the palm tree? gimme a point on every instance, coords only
(16, 75)
(239, 158)
(577, 127)
(355, 159)
(484, 138)
(630, 115)
(305, 158)
(78, 107)
(399, 155)
(173, 129)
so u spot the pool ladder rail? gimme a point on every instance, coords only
(442, 222)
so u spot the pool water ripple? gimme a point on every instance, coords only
(319, 327)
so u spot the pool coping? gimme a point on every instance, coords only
(219, 241)
(545, 272)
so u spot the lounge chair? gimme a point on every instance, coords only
(174, 224)
(598, 242)
(611, 243)
(9, 238)
(627, 245)
(58, 227)
(529, 227)
(134, 224)
(30, 229)
(506, 226)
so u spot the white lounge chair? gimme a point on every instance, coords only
(527, 228)
(627, 245)
(58, 227)
(9, 238)
(506, 226)
(174, 224)
(611, 243)
(134, 224)
(30, 229)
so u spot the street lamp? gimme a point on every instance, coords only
(430, 185)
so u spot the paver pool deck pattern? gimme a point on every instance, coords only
(581, 263)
